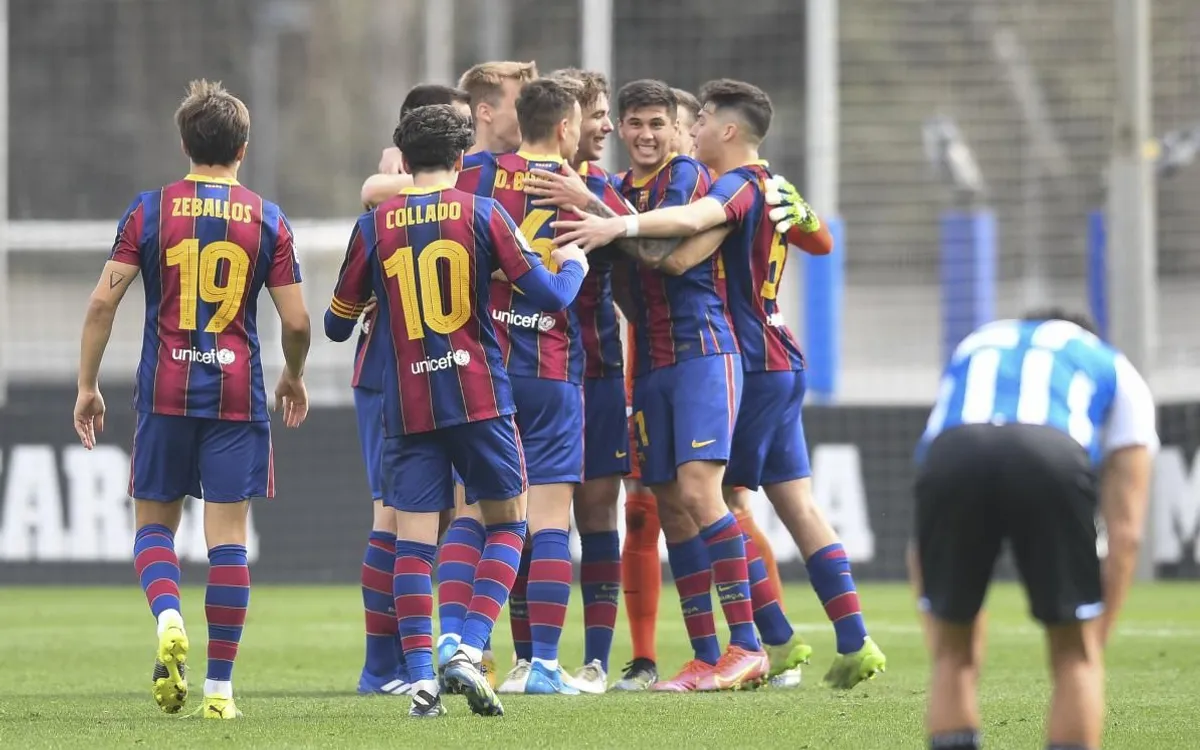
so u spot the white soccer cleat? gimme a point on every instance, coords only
(591, 678)
(516, 679)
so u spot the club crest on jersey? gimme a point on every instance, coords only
(541, 322)
(456, 358)
(220, 357)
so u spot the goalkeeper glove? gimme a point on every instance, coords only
(790, 208)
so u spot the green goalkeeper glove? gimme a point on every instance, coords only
(790, 208)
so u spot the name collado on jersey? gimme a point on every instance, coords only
(536, 321)
(211, 207)
(434, 212)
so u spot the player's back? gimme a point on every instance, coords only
(595, 308)
(205, 247)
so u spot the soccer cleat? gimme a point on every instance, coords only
(788, 655)
(686, 680)
(216, 707)
(516, 679)
(640, 674)
(426, 705)
(591, 678)
(542, 681)
(369, 684)
(786, 680)
(489, 667)
(736, 669)
(445, 652)
(850, 669)
(466, 679)
(170, 671)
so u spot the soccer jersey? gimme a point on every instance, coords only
(754, 255)
(678, 317)
(594, 307)
(205, 247)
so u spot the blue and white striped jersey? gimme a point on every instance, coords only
(1049, 372)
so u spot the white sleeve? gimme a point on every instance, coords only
(1131, 421)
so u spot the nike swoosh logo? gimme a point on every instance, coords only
(622, 454)
(737, 678)
(702, 443)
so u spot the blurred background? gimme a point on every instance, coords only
(978, 157)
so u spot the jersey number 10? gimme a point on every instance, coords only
(431, 309)
(200, 275)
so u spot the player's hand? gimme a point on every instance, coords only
(368, 314)
(562, 254)
(562, 189)
(391, 161)
(89, 416)
(292, 397)
(589, 232)
(790, 208)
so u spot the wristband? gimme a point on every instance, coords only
(631, 226)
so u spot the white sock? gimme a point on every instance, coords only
(472, 653)
(218, 689)
(551, 665)
(448, 637)
(168, 617)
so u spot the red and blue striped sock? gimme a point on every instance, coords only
(600, 581)
(728, 554)
(412, 588)
(459, 554)
(157, 567)
(829, 572)
(549, 591)
(518, 609)
(378, 560)
(225, 603)
(769, 618)
(494, 578)
(693, 579)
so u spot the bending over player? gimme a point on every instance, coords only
(205, 246)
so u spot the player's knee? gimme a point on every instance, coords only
(677, 523)
(147, 512)
(1074, 645)
(225, 523)
(738, 499)
(595, 505)
(490, 512)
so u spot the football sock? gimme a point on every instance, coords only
(772, 624)
(225, 601)
(829, 572)
(641, 572)
(963, 739)
(600, 579)
(461, 549)
(378, 561)
(494, 577)
(549, 591)
(727, 550)
(412, 587)
(518, 609)
(750, 528)
(157, 567)
(693, 579)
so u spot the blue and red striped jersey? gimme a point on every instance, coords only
(594, 307)
(427, 255)
(678, 317)
(535, 343)
(754, 255)
(205, 247)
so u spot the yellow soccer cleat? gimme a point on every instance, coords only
(788, 656)
(216, 707)
(170, 668)
(489, 667)
(850, 669)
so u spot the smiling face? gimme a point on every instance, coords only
(648, 133)
(594, 130)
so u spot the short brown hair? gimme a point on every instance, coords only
(593, 82)
(213, 124)
(751, 103)
(647, 92)
(426, 94)
(483, 81)
(542, 105)
(687, 101)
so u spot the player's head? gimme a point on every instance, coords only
(214, 125)
(426, 94)
(685, 120)
(548, 111)
(1082, 320)
(494, 88)
(731, 113)
(593, 105)
(433, 138)
(647, 110)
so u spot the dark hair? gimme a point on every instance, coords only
(426, 94)
(751, 103)
(687, 101)
(213, 124)
(541, 106)
(433, 137)
(646, 92)
(1053, 312)
(593, 82)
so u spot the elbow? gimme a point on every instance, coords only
(671, 266)
(101, 310)
(693, 224)
(297, 327)
(372, 193)
(1125, 541)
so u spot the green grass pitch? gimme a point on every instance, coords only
(75, 672)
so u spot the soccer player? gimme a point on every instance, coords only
(205, 246)
(422, 95)
(1037, 422)
(427, 254)
(689, 107)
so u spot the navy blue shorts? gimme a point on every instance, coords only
(368, 408)
(606, 428)
(217, 460)
(768, 440)
(550, 417)
(417, 475)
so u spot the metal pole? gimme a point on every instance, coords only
(4, 281)
(596, 32)
(439, 41)
(495, 31)
(1132, 271)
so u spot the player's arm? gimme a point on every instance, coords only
(1130, 442)
(694, 250)
(284, 284)
(379, 187)
(795, 219)
(98, 320)
(549, 291)
(352, 291)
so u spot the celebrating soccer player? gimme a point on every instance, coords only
(426, 255)
(689, 108)
(205, 246)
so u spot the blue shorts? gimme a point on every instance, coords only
(417, 475)
(217, 460)
(768, 440)
(550, 418)
(685, 412)
(368, 407)
(606, 428)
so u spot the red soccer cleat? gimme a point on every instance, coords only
(691, 675)
(737, 668)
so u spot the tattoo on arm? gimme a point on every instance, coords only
(649, 250)
(114, 279)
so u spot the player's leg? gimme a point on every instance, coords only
(163, 470)
(738, 500)
(458, 556)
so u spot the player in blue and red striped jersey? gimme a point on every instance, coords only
(426, 255)
(205, 247)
